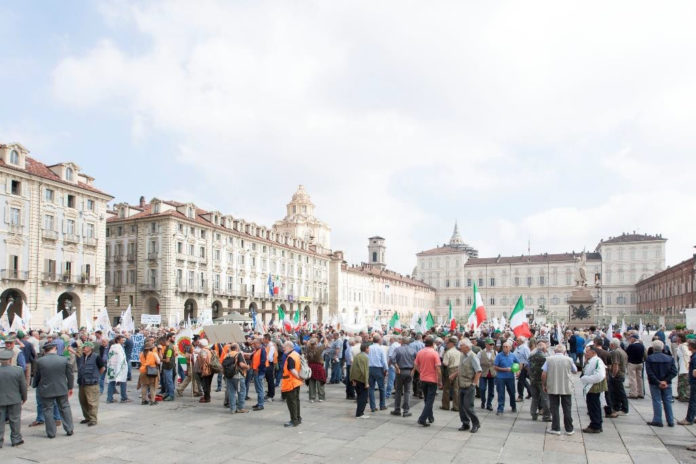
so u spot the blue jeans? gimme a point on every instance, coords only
(486, 384)
(111, 388)
(377, 378)
(335, 371)
(168, 375)
(219, 385)
(39, 409)
(258, 385)
(236, 392)
(248, 380)
(691, 412)
(429, 389)
(279, 375)
(101, 382)
(391, 376)
(505, 384)
(662, 398)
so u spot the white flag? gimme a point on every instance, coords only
(26, 315)
(55, 324)
(70, 323)
(610, 331)
(623, 327)
(641, 329)
(17, 324)
(4, 319)
(103, 323)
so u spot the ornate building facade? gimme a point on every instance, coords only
(300, 222)
(545, 281)
(52, 238)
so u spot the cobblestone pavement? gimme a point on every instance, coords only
(186, 431)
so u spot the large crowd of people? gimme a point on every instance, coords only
(464, 367)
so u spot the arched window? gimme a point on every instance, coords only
(14, 157)
(68, 174)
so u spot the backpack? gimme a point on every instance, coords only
(229, 366)
(305, 370)
(215, 366)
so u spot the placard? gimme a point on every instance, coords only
(150, 319)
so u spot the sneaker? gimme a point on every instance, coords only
(257, 408)
(395, 413)
(685, 422)
(407, 414)
(242, 411)
(363, 417)
(613, 415)
(570, 433)
(553, 432)
(127, 401)
(591, 430)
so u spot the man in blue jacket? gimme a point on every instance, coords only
(660, 369)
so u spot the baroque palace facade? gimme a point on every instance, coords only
(545, 281)
(52, 238)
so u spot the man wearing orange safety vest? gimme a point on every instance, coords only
(272, 357)
(290, 384)
(259, 364)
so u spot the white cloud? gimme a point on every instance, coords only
(476, 108)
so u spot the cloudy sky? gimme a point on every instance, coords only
(550, 123)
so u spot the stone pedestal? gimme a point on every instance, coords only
(581, 308)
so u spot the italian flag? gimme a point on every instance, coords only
(478, 312)
(518, 320)
(394, 322)
(284, 320)
(452, 320)
(296, 319)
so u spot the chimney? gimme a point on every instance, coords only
(142, 201)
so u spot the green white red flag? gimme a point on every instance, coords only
(478, 312)
(518, 320)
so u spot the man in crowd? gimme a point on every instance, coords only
(540, 399)
(335, 359)
(691, 411)
(360, 377)
(378, 372)
(290, 383)
(272, 358)
(402, 359)
(594, 380)
(391, 376)
(450, 365)
(557, 382)
(635, 352)
(615, 379)
(258, 365)
(117, 370)
(89, 368)
(505, 379)
(468, 372)
(13, 393)
(168, 364)
(488, 373)
(427, 364)
(522, 353)
(660, 370)
(54, 380)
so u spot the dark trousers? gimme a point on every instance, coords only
(505, 384)
(619, 401)
(207, 381)
(65, 414)
(429, 390)
(292, 399)
(350, 389)
(13, 414)
(691, 411)
(466, 406)
(594, 409)
(361, 390)
(539, 400)
(270, 379)
(402, 390)
(417, 391)
(565, 402)
(523, 383)
(486, 385)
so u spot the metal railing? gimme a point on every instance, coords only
(14, 274)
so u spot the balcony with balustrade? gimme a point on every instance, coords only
(14, 275)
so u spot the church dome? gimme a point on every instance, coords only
(301, 196)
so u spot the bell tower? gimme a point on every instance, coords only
(377, 251)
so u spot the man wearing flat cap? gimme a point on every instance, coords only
(54, 381)
(450, 364)
(89, 368)
(13, 393)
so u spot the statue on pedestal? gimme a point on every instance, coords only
(582, 271)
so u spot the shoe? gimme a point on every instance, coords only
(545, 419)
(528, 397)
(69, 433)
(382, 408)
(396, 412)
(169, 398)
(684, 422)
(179, 394)
(553, 432)
(59, 423)
(424, 424)
(483, 406)
(407, 414)
(613, 415)
(654, 424)
(362, 417)
(444, 408)
(514, 411)
(464, 428)
(373, 409)
(490, 408)
(670, 425)
(311, 401)
(455, 409)
(91, 424)
(84, 421)
(321, 401)
(431, 419)
(242, 411)
(534, 418)
(127, 401)
(499, 413)
(35, 424)
(20, 442)
(691, 447)
(590, 430)
(570, 433)
(622, 413)
(153, 403)
(144, 403)
(289, 424)
(641, 397)
(218, 389)
(247, 398)
(474, 429)
(109, 402)
(520, 399)
(257, 408)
